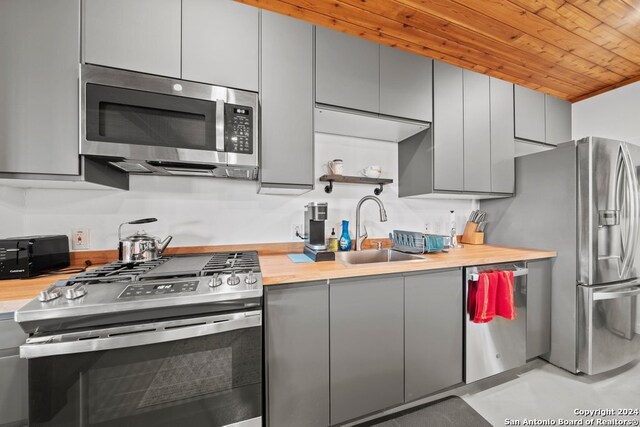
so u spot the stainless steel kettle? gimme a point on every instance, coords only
(140, 247)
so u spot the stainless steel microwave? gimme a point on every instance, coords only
(146, 124)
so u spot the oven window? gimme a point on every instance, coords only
(213, 380)
(133, 117)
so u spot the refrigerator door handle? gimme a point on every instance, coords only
(634, 291)
(631, 190)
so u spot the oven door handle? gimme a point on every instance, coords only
(137, 335)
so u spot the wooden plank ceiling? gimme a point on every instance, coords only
(573, 49)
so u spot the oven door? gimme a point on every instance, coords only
(136, 116)
(204, 371)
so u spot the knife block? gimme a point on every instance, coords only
(471, 235)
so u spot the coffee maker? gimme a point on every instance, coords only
(315, 247)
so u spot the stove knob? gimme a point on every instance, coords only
(250, 279)
(75, 293)
(215, 281)
(48, 295)
(233, 280)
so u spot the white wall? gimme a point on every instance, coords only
(614, 114)
(200, 211)
(12, 212)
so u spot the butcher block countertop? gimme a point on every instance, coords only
(278, 269)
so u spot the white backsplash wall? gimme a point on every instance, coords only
(198, 211)
(12, 212)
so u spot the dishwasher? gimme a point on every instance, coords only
(499, 345)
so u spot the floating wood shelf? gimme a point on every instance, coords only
(380, 182)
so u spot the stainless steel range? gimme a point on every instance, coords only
(164, 342)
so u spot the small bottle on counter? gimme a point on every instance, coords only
(345, 239)
(333, 241)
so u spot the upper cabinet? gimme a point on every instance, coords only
(138, 35)
(477, 132)
(406, 88)
(502, 144)
(209, 41)
(541, 118)
(286, 92)
(347, 71)
(39, 56)
(448, 128)
(470, 146)
(529, 114)
(220, 43)
(361, 75)
(558, 120)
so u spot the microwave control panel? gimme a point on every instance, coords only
(238, 129)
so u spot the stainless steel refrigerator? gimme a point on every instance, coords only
(582, 200)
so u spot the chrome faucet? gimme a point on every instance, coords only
(383, 218)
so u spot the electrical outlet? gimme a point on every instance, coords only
(80, 239)
(296, 232)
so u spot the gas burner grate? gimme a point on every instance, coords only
(114, 272)
(232, 261)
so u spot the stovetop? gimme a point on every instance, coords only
(223, 278)
(169, 267)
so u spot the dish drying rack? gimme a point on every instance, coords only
(414, 242)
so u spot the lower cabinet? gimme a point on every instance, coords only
(433, 332)
(14, 402)
(297, 360)
(538, 308)
(342, 349)
(366, 345)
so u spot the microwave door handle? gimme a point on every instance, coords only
(220, 125)
(135, 338)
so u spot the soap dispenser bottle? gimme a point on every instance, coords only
(345, 239)
(333, 241)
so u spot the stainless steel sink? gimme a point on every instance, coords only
(375, 256)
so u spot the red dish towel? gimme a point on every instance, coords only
(505, 306)
(482, 297)
(491, 295)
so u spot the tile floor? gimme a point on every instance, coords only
(543, 391)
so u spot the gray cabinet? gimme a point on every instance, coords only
(538, 308)
(433, 332)
(286, 98)
(297, 355)
(347, 71)
(220, 43)
(39, 56)
(529, 108)
(477, 132)
(367, 345)
(138, 35)
(470, 146)
(502, 141)
(14, 404)
(558, 120)
(448, 127)
(405, 84)
(541, 118)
